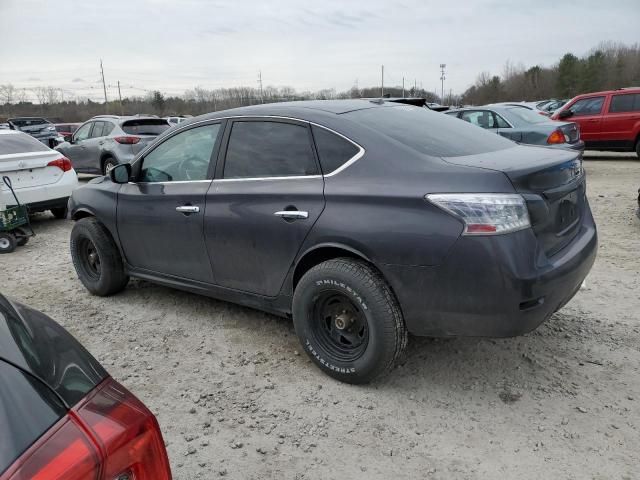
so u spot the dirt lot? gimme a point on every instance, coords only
(237, 398)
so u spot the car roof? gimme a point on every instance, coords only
(27, 118)
(606, 92)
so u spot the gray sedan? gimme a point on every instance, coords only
(522, 125)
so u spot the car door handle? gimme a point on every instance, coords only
(188, 209)
(291, 214)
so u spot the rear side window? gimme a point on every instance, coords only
(428, 132)
(27, 410)
(20, 143)
(588, 106)
(333, 150)
(146, 126)
(269, 149)
(625, 103)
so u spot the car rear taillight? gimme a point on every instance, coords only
(109, 435)
(485, 213)
(63, 163)
(128, 140)
(557, 136)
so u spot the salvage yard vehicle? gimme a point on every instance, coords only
(108, 140)
(522, 125)
(363, 220)
(39, 128)
(609, 121)
(43, 179)
(62, 415)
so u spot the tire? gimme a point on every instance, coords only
(21, 237)
(348, 320)
(60, 213)
(8, 242)
(108, 164)
(96, 258)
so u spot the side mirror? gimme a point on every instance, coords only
(565, 113)
(68, 138)
(120, 173)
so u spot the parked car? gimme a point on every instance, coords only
(62, 415)
(609, 120)
(66, 130)
(363, 220)
(553, 105)
(42, 178)
(522, 125)
(107, 140)
(39, 128)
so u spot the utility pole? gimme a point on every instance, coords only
(104, 87)
(402, 87)
(382, 85)
(120, 96)
(260, 82)
(415, 87)
(442, 77)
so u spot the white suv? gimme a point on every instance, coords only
(43, 179)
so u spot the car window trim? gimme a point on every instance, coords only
(212, 160)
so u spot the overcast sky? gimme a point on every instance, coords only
(173, 45)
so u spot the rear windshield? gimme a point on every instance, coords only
(147, 126)
(430, 132)
(524, 115)
(20, 143)
(27, 410)
(27, 122)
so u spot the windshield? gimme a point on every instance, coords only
(524, 115)
(146, 126)
(20, 143)
(28, 122)
(430, 132)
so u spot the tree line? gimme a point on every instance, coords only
(607, 66)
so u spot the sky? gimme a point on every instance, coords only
(175, 45)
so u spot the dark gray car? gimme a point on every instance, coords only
(39, 128)
(108, 140)
(363, 220)
(523, 125)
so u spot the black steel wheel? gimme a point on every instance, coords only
(96, 258)
(339, 326)
(348, 320)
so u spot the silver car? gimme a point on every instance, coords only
(38, 127)
(105, 141)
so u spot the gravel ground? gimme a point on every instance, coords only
(237, 398)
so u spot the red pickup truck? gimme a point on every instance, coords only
(608, 120)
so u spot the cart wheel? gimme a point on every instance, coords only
(7, 242)
(22, 237)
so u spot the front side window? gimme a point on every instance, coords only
(183, 157)
(588, 106)
(269, 149)
(625, 103)
(97, 130)
(83, 132)
(333, 150)
(481, 118)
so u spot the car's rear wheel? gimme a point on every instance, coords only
(60, 213)
(96, 258)
(8, 242)
(638, 147)
(109, 163)
(348, 320)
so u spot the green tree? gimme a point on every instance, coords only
(158, 102)
(568, 75)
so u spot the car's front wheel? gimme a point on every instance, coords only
(96, 258)
(109, 163)
(348, 320)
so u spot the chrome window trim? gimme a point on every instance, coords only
(180, 128)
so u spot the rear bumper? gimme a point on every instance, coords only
(499, 286)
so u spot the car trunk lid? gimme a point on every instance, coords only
(29, 169)
(552, 182)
